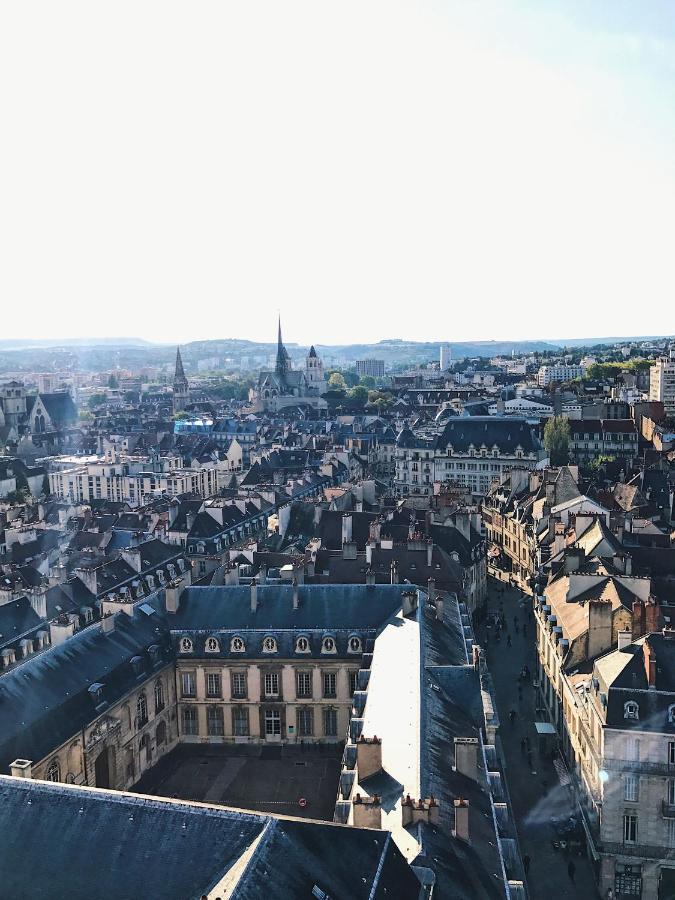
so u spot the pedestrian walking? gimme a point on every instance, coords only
(571, 869)
(526, 863)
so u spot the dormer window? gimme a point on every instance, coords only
(269, 645)
(212, 645)
(185, 645)
(137, 665)
(302, 645)
(160, 575)
(354, 644)
(237, 645)
(631, 710)
(328, 645)
(671, 714)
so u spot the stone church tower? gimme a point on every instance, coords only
(181, 389)
(314, 373)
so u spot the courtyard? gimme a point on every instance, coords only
(261, 778)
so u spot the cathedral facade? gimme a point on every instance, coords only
(286, 386)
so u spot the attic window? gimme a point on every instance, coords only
(237, 645)
(137, 665)
(212, 645)
(269, 645)
(328, 645)
(631, 710)
(671, 714)
(302, 645)
(185, 645)
(354, 644)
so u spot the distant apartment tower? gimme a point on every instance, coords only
(662, 382)
(547, 374)
(372, 367)
(445, 357)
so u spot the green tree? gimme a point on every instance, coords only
(557, 440)
(96, 400)
(181, 415)
(336, 382)
(113, 382)
(358, 394)
(368, 381)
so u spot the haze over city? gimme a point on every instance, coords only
(400, 170)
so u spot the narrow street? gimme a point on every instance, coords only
(533, 783)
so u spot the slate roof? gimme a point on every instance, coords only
(17, 619)
(60, 406)
(333, 608)
(51, 690)
(507, 434)
(67, 841)
(63, 841)
(343, 862)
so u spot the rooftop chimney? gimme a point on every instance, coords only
(370, 576)
(108, 623)
(625, 639)
(21, 768)
(172, 595)
(462, 819)
(394, 572)
(430, 553)
(254, 595)
(466, 757)
(409, 602)
(639, 619)
(650, 665)
(368, 756)
(431, 589)
(296, 594)
(346, 527)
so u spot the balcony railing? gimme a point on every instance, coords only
(643, 766)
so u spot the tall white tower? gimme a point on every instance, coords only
(445, 357)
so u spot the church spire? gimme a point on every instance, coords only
(283, 359)
(181, 389)
(180, 371)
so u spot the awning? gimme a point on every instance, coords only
(544, 728)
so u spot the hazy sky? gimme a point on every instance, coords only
(466, 169)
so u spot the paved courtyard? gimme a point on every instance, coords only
(264, 779)
(536, 792)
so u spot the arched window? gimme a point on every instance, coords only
(671, 714)
(160, 734)
(328, 645)
(212, 645)
(354, 644)
(302, 645)
(185, 645)
(159, 697)
(237, 645)
(631, 710)
(53, 771)
(269, 645)
(141, 711)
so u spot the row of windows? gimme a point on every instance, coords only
(271, 684)
(269, 645)
(241, 726)
(631, 710)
